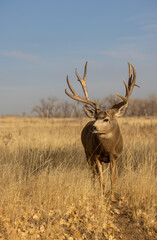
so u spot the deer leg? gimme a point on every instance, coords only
(113, 165)
(99, 170)
(93, 175)
(91, 162)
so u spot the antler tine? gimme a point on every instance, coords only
(129, 87)
(83, 81)
(84, 87)
(70, 87)
(132, 78)
(85, 70)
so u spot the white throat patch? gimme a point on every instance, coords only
(106, 135)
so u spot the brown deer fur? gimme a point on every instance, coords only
(101, 138)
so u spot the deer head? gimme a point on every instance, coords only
(104, 119)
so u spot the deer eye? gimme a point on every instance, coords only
(106, 120)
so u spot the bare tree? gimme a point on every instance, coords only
(53, 107)
(46, 107)
(143, 107)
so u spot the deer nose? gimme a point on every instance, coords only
(93, 129)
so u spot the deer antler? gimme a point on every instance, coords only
(84, 87)
(128, 88)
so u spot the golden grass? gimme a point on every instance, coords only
(46, 190)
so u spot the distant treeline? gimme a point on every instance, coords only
(53, 107)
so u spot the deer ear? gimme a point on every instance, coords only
(90, 112)
(120, 111)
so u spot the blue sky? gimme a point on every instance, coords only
(43, 41)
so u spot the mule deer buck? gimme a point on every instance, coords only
(101, 138)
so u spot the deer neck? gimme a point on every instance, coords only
(111, 134)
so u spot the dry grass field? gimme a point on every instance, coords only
(46, 190)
